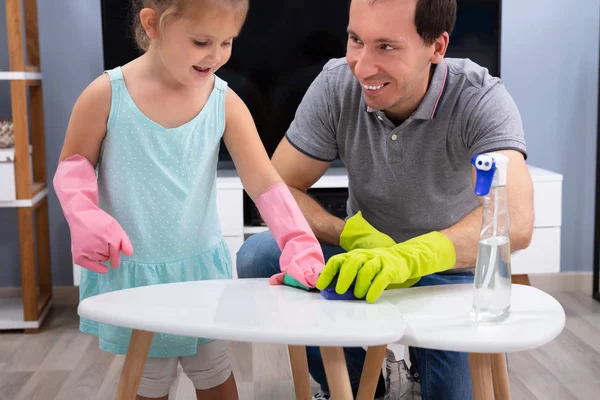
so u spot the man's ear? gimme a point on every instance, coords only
(440, 46)
(150, 22)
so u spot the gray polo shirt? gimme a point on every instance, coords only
(416, 177)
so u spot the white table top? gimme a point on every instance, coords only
(437, 317)
(249, 310)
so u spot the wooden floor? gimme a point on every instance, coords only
(62, 363)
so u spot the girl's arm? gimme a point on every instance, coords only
(246, 149)
(87, 126)
(95, 236)
(301, 254)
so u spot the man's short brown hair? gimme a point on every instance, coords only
(432, 18)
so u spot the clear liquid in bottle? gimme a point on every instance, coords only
(491, 296)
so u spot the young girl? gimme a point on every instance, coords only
(136, 181)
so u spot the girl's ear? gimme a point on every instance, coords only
(150, 21)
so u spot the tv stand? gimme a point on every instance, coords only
(542, 256)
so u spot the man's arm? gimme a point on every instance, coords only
(300, 172)
(519, 187)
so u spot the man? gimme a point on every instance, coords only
(406, 122)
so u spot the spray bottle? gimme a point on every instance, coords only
(492, 286)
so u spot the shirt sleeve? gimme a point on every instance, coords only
(493, 123)
(312, 131)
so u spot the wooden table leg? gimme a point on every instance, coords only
(500, 377)
(131, 374)
(300, 374)
(371, 372)
(481, 376)
(336, 371)
(521, 280)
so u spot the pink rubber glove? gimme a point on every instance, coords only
(301, 254)
(95, 236)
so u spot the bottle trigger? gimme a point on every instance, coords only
(485, 168)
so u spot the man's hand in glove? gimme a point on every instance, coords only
(375, 269)
(358, 233)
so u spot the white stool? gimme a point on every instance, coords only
(437, 317)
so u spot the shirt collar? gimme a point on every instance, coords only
(428, 106)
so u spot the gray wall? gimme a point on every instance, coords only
(552, 72)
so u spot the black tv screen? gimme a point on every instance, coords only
(284, 45)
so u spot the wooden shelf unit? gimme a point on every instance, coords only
(31, 198)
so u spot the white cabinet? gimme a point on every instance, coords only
(542, 256)
(230, 206)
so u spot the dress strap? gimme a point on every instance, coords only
(117, 83)
(115, 74)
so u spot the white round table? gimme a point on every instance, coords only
(251, 310)
(437, 317)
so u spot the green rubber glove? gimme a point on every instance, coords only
(375, 269)
(358, 233)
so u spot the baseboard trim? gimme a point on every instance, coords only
(564, 281)
(61, 295)
(578, 281)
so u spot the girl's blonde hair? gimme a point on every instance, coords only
(176, 8)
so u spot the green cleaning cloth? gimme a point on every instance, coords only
(288, 280)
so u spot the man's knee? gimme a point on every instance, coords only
(443, 373)
(258, 257)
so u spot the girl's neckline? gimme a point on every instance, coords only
(156, 124)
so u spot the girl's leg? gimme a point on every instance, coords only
(157, 379)
(210, 371)
(225, 391)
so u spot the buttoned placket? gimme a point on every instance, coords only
(393, 136)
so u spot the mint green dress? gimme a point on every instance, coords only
(160, 185)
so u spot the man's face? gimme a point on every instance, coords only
(387, 55)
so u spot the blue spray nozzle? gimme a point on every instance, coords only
(486, 167)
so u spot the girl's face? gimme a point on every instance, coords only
(192, 48)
